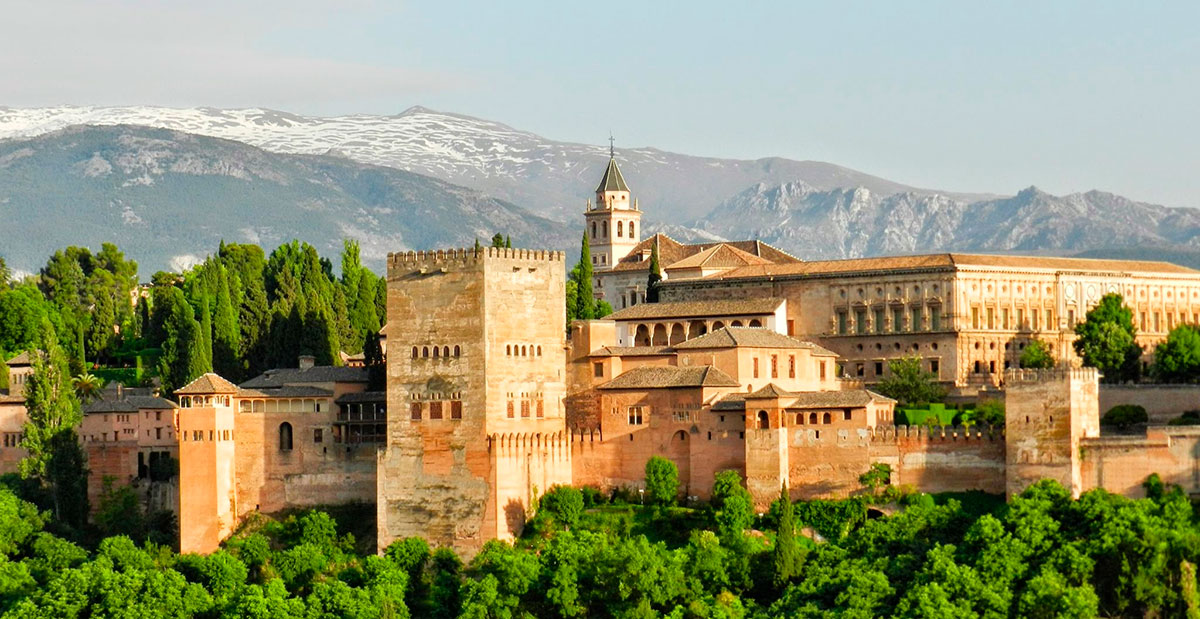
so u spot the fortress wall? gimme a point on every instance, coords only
(1162, 402)
(948, 459)
(825, 463)
(525, 466)
(115, 460)
(1120, 464)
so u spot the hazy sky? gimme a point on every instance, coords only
(1069, 96)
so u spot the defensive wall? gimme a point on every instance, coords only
(1162, 402)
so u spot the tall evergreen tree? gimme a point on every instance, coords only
(206, 335)
(585, 300)
(226, 334)
(507, 242)
(655, 274)
(181, 360)
(786, 554)
(498, 240)
(54, 457)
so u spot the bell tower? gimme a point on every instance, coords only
(613, 225)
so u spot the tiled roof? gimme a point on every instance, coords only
(671, 377)
(128, 404)
(949, 262)
(11, 399)
(835, 399)
(20, 360)
(207, 384)
(363, 396)
(287, 391)
(722, 256)
(690, 309)
(769, 391)
(750, 337)
(632, 351)
(316, 374)
(612, 180)
(671, 252)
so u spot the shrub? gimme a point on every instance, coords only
(565, 504)
(662, 480)
(1124, 415)
(1188, 418)
(990, 412)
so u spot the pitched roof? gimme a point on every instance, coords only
(769, 391)
(670, 377)
(128, 404)
(670, 252)
(690, 309)
(806, 399)
(287, 391)
(632, 351)
(949, 261)
(206, 384)
(721, 256)
(612, 180)
(750, 337)
(363, 396)
(316, 374)
(20, 360)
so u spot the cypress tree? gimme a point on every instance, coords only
(655, 274)
(226, 334)
(507, 242)
(206, 336)
(181, 360)
(54, 457)
(786, 554)
(585, 302)
(381, 300)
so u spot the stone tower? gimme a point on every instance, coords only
(475, 387)
(1047, 413)
(613, 226)
(767, 465)
(207, 497)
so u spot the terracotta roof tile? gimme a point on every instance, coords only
(20, 360)
(696, 309)
(317, 374)
(288, 391)
(769, 391)
(632, 351)
(671, 377)
(750, 337)
(671, 252)
(206, 384)
(835, 399)
(722, 256)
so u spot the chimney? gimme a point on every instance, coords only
(307, 361)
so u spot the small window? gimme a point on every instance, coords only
(416, 353)
(511, 409)
(812, 419)
(879, 368)
(792, 367)
(541, 409)
(524, 409)
(598, 370)
(457, 351)
(285, 436)
(425, 352)
(756, 367)
(821, 366)
(846, 415)
(774, 366)
(635, 416)
(456, 409)
(764, 420)
(435, 410)
(318, 435)
(415, 411)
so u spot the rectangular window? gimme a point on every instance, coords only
(935, 319)
(318, 435)
(1050, 324)
(1004, 319)
(791, 327)
(1142, 321)
(511, 410)
(860, 322)
(914, 318)
(774, 366)
(841, 323)
(878, 368)
(974, 317)
(933, 366)
(898, 320)
(1071, 318)
(524, 409)
(991, 318)
(435, 410)
(456, 409)
(756, 367)
(879, 320)
(846, 415)
(1157, 324)
(635, 415)
(792, 366)
(541, 409)
(598, 370)
(415, 410)
(822, 369)
(1020, 318)
(158, 433)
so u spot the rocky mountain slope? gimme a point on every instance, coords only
(550, 178)
(846, 223)
(168, 197)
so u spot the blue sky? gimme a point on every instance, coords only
(1069, 96)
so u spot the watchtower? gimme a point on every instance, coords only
(1047, 413)
(476, 342)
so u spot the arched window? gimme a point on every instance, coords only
(445, 351)
(764, 421)
(827, 418)
(593, 229)
(620, 229)
(457, 351)
(631, 231)
(508, 350)
(812, 419)
(539, 351)
(435, 352)
(285, 436)
(604, 229)
(415, 352)
(425, 352)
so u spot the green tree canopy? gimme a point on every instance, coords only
(1036, 355)
(662, 480)
(908, 384)
(1177, 359)
(1105, 340)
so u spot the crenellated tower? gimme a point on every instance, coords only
(613, 223)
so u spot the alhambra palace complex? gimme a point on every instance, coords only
(752, 360)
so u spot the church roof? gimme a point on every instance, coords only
(721, 256)
(670, 252)
(670, 377)
(612, 181)
(949, 262)
(695, 309)
(749, 337)
(207, 384)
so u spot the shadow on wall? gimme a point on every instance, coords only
(514, 515)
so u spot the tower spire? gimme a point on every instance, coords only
(612, 150)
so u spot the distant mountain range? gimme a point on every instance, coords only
(167, 198)
(323, 178)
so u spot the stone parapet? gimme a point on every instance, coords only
(1019, 376)
(882, 435)
(463, 256)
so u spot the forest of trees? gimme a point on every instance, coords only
(237, 313)
(584, 554)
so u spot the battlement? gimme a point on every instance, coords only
(1028, 376)
(463, 257)
(522, 443)
(885, 435)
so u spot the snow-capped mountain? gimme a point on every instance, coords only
(550, 178)
(848, 223)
